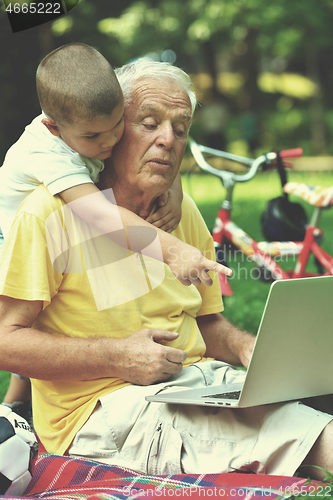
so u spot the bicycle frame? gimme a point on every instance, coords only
(263, 253)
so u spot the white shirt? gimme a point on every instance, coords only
(39, 157)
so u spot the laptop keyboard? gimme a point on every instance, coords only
(225, 395)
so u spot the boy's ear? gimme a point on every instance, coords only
(51, 126)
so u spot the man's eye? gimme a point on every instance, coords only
(180, 133)
(92, 136)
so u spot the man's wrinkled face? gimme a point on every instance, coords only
(157, 122)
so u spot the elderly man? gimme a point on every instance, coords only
(94, 354)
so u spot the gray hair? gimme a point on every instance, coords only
(146, 69)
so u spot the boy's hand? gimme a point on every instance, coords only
(190, 266)
(168, 216)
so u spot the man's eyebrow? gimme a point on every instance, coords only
(186, 117)
(152, 109)
(147, 107)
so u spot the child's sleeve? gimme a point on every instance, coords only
(59, 172)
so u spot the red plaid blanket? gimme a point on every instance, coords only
(64, 478)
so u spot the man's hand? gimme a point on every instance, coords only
(144, 360)
(224, 341)
(168, 215)
(245, 350)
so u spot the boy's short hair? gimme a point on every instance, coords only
(140, 69)
(75, 82)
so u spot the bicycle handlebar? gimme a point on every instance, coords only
(291, 153)
(228, 177)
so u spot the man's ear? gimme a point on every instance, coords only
(51, 126)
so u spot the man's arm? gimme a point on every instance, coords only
(140, 358)
(225, 341)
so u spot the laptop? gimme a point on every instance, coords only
(292, 356)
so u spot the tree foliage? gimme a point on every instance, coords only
(251, 56)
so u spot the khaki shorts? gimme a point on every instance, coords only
(158, 438)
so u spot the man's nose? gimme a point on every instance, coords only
(166, 136)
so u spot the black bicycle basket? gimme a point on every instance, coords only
(283, 220)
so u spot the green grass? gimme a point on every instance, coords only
(245, 307)
(4, 381)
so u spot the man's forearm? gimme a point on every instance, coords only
(141, 358)
(38, 354)
(138, 359)
(45, 356)
(224, 341)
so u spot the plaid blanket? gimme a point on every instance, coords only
(65, 478)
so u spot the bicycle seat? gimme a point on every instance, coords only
(318, 196)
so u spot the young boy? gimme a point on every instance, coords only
(64, 149)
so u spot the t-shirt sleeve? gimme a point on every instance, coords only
(68, 181)
(59, 172)
(26, 271)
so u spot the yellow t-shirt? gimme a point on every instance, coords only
(53, 256)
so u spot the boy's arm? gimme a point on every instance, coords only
(187, 263)
(168, 216)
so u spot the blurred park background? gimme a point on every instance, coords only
(262, 68)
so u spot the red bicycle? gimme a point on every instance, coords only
(265, 254)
